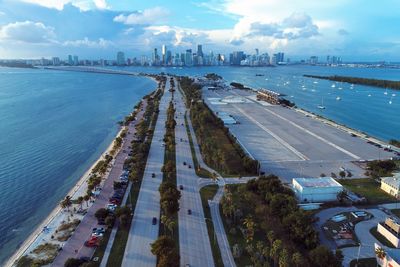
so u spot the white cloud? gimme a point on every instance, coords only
(2, 13)
(146, 17)
(85, 42)
(28, 32)
(84, 5)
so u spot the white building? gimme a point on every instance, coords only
(391, 257)
(391, 185)
(321, 189)
(390, 229)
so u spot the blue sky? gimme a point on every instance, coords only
(353, 29)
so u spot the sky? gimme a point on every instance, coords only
(356, 30)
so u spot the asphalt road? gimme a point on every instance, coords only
(74, 247)
(195, 248)
(143, 232)
(290, 144)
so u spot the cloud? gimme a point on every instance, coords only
(28, 32)
(85, 42)
(296, 26)
(236, 42)
(59, 4)
(146, 17)
(2, 13)
(342, 32)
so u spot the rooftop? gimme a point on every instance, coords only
(392, 181)
(317, 182)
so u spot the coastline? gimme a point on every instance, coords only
(30, 240)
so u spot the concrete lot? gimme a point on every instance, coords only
(290, 144)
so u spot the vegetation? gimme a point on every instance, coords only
(42, 255)
(357, 80)
(213, 76)
(273, 230)
(368, 188)
(367, 262)
(381, 168)
(218, 146)
(165, 250)
(239, 86)
(208, 193)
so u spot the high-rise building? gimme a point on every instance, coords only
(168, 58)
(56, 61)
(313, 60)
(257, 52)
(156, 57)
(76, 60)
(188, 58)
(121, 59)
(164, 54)
(237, 57)
(200, 50)
(70, 60)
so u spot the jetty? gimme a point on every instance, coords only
(93, 70)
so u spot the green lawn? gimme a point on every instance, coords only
(208, 192)
(367, 188)
(380, 237)
(367, 262)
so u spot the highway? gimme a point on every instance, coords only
(143, 232)
(195, 248)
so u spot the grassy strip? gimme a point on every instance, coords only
(121, 237)
(367, 188)
(380, 237)
(206, 193)
(199, 171)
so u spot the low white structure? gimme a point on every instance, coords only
(321, 189)
(391, 257)
(390, 229)
(391, 185)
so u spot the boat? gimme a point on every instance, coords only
(258, 74)
(340, 88)
(322, 105)
(315, 82)
(369, 95)
(338, 98)
(386, 92)
(333, 85)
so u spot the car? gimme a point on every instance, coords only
(190, 166)
(181, 139)
(96, 234)
(115, 201)
(181, 187)
(154, 221)
(184, 163)
(189, 211)
(91, 244)
(153, 175)
(84, 259)
(99, 230)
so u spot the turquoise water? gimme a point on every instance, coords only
(53, 126)
(363, 108)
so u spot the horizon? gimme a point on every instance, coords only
(221, 26)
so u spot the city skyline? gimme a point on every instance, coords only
(37, 28)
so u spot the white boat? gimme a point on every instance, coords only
(338, 98)
(322, 105)
(315, 82)
(340, 88)
(393, 94)
(333, 85)
(369, 95)
(386, 92)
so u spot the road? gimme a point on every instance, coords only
(143, 232)
(194, 243)
(74, 247)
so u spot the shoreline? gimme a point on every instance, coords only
(30, 240)
(27, 245)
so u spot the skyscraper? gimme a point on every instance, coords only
(76, 60)
(164, 54)
(188, 58)
(121, 59)
(70, 60)
(200, 50)
(237, 57)
(156, 57)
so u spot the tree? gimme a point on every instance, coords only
(276, 250)
(109, 220)
(250, 228)
(101, 213)
(380, 253)
(322, 256)
(165, 250)
(284, 259)
(298, 259)
(342, 174)
(79, 200)
(86, 198)
(72, 262)
(271, 237)
(66, 202)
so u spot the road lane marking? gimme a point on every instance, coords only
(277, 138)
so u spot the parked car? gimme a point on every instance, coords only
(189, 211)
(184, 163)
(154, 221)
(153, 175)
(181, 187)
(100, 230)
(190, 166)
(96, 234)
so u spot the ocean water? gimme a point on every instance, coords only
(53, 126)
(363, 108)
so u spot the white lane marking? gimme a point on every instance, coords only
(280, 140)
(315, 135)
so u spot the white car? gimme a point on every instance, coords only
(97, 234)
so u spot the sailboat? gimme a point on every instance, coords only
(333, 85)
(338, 98)
(390, 101)
(322, 105)
(386, 92)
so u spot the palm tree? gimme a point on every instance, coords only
(79, 200)
(250, 227)
(380, 253)
(297, 259)
(284, 260)
(66, 202)
(275, 250)
(86, 198)
(271, 237)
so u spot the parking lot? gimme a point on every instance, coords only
(288, 143)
